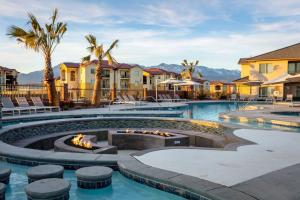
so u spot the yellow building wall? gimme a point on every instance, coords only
(251, 69)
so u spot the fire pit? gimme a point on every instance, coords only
(147, 132)
(82, 144)
(82, 141)
(145, 139)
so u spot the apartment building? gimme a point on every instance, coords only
(272, 73)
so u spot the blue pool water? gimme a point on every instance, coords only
(121, 188)
(210, 111)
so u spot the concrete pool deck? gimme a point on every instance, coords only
(265, 170)
(273, 150)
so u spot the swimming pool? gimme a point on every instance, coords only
(121, 188)
(211, 110)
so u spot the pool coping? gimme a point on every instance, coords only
(183, 185)
(265, 115)
(33, 157)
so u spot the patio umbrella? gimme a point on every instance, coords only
(281, 79)
(172, 81)
(188, 82)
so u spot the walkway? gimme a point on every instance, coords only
(274, 150)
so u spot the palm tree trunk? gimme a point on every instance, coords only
(97, 85)
(50, 82)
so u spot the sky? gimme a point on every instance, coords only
(215, 32)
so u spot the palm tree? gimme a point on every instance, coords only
(189, 69)
(99, 52)
(45, 40)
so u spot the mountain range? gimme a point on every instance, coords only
(208, 73)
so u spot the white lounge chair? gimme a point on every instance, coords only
(289, 97)
(163, 98)
(269, 99)
(37, 101)
(252, 98)
(178, 98)
(129, 101)
(22, 102)
(9, 107)
(233, 97)
(242, 98)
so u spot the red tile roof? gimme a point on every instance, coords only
(158, 71)
(71, 64)
(220, 82)
(242, 80)
(106, 65)
(7, 69)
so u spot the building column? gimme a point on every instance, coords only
(65, 92)
(145, 93)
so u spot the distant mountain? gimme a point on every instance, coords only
(208, 73)
(35, 76)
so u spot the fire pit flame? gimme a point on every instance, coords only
(80, 140)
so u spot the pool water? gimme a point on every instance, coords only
(210, 111)
(121, 188)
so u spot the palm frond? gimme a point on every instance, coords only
(91, 39)
(86, 59)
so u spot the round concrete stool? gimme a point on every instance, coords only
(2, 191)
(50, 188)
(45, 171)
(4, 175)
(93, 177)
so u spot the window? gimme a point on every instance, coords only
(72, 78)
(294, 68)
(63, 75)
(124, 74)
(265, 68)
(105, 73)
(124, 84)
(217, 87)
(92, 71)
(144, 79)
(105, 83)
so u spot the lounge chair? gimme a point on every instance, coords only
(279, 98)
(130, 101)
(131, 98)
(289, 97)
(37, 101)
(9, 107)
(22, 102)
(243, 98)
(252, 98)
(177, 97)
(163, 98)
(269, 99)
(119, 100)
(233, 97)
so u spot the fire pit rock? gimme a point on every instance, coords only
(51, 188)
(145, 139)
(4, 175)
(45, 171)
(64, 144)
(94, 177)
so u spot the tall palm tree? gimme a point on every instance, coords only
(45, 40)
(189, 68)
(100, 54)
